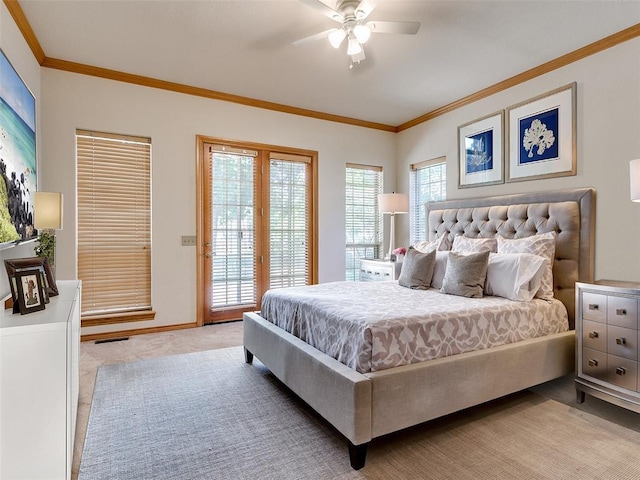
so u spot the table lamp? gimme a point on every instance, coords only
(47, 208)
(392, 203)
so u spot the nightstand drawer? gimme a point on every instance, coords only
(594, 363)
(379, 270)
(622, 342)
(594, 335)
(622, 372)
(622, 311)
(594, 307)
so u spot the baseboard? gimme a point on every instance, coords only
(138, 331)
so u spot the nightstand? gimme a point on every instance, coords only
(379, 270)
(607, 342)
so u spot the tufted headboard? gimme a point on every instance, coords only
(570, 213)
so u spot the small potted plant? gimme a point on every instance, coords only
(399, 254)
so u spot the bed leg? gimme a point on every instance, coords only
(580, 396)
(248, 356)
(357, 455)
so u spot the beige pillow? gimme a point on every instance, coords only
(465, 274)
(544, 245)
(474, 245)
(439, 244)
(417, 269)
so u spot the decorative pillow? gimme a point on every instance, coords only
(438, 244)
(544, 245)
(515, 276)
(465, 274)
(440, 269)
(417, 269)
(473, 245)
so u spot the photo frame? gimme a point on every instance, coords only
(481, 151)
(30, 290)
(14, 264)
(541, 136)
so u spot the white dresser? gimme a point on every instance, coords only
(607, 342)
(39, 388)
(378, 270)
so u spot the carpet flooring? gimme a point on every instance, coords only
(208, 415)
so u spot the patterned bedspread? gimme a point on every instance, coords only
(372, 326)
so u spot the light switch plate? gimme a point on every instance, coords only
(188, 240)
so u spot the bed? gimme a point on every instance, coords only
(369, 404)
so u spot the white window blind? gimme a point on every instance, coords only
(363, 222)
(289, 203)
(114, 222)
(427, 183)
(232, 185)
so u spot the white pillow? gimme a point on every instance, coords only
(544, 245)
(515, 276)
(439, 270)
(462, 244)
(439, 244)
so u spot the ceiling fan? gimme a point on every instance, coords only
(351, 15)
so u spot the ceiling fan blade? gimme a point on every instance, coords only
(315, 37)
(364, 9)
(409, 28)
(324, 9)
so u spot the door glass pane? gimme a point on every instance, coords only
(288, 225)
(232, 231)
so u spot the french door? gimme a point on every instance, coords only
(256, 211)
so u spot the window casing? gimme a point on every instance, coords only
(114, 226)
(363, 221)
(427, 183)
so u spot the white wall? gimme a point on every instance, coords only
(172, 121)
(608, 131)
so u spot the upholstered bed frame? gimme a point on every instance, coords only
(366, 406)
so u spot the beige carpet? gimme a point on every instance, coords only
(255, 428)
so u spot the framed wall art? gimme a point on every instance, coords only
(541, 136)
(480, 151)
(18, 162)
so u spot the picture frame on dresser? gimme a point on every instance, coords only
(12, 265)
(30, 290)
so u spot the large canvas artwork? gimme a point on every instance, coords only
(17, 155)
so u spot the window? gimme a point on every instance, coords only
(363, 222)
(114, 226)
(427, 183)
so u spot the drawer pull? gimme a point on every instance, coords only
(621, 341)
(377, 273)
(593, 362)
(593, 306)
(621, 371)
(593, 335)
(621, 311)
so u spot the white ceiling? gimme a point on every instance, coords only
(245, 47)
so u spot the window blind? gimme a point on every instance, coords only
(427, 183)
(289, 204)
(363, 222)
(114, 222)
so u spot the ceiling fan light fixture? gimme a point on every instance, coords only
(354, 47)
(336, 37)
(362, 33)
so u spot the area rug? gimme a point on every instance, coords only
(208, 415)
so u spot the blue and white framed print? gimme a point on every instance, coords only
(480, 151)
(541, 136)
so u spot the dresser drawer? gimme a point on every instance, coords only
(594, 335)
(594, 363)
(622, 372)
(622, 342)
(622, 311)
(594, 307)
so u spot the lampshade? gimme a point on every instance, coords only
(48, 210)
(362, 33)
(353, 47)
(336, 37)
(634, 177)
(393, 203)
